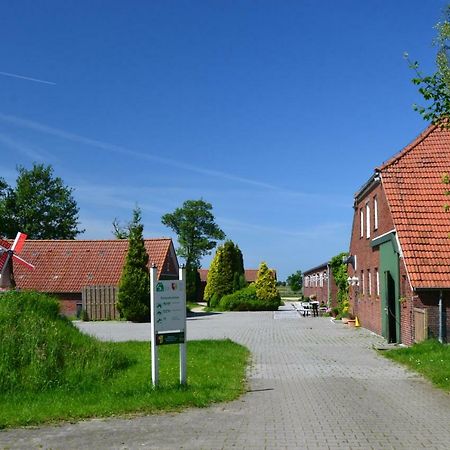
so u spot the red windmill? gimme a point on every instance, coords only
(8, 254)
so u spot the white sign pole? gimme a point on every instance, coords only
(183, 365)
(154, 352)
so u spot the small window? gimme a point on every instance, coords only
(375, 213)
(361, 218)
(369, 282)
(362, 283)
(367, 220)
(377, 281)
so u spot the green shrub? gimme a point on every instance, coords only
(265, 284)
(42, 350)
(247, 300)
(214, 301)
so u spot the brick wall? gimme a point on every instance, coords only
(365, 305)
(315, 289)
(430, 301)
(69, 303)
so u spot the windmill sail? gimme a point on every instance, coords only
(8, 254)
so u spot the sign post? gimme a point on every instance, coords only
(168, 319)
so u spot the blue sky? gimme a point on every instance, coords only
(274, 112)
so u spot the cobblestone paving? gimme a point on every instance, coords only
(314, 384)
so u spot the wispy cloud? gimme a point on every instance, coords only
(119, 197)
(28, 151)
(23, 77)
(317, 231)
(35, 126)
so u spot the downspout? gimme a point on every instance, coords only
(442, 319)
(328, 287)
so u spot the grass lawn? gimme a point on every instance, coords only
(216, 373)
(429, 358)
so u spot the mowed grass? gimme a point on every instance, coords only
(51, 372)
(429, 358)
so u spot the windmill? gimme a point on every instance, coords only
(8, 254)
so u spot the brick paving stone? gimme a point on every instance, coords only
(313, 384)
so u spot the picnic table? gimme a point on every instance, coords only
(310, 309)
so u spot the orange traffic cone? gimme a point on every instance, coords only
(357, 322)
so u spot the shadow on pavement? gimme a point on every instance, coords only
(192, 315)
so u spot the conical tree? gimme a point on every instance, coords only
(226, 272)
(265, 284)
(134, 287)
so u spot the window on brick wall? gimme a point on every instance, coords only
(377, 275)
(369, 282)
(321, 279)
(361, 222)
(367, 220)
(362, 283)
(375, 213)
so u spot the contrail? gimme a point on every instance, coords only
(36, 80)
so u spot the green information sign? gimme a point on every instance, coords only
(170, 338)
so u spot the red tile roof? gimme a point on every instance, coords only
(64, 266)
(412, 181)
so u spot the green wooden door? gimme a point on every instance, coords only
(390, 290)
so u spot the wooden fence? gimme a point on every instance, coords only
(99, 302)
(420, 324)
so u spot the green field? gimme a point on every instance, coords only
(50, 371)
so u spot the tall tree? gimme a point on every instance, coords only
(266, 286)
(435, 88)
(197, 235)
(134, 287)
(6, 209)
(295, 281)
(226, 273)
(40, 205)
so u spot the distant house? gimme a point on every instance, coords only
(250, 277)
(65, 267)
(318, 283)
(399, 264)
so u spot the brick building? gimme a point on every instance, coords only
(64, 267)
(318, 282)
(399, 264)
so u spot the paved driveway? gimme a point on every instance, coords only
(314, 384)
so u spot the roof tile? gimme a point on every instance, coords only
(64, 266)
(412, 181)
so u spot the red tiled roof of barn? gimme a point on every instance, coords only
(68, 265)
(412, 181)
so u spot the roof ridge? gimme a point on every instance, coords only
(409, 147)
(93, 240)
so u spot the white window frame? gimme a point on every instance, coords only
(321, 279)
(378, 281)
(361, 221)
(367, 220)
(375, 213)
(369, 276)
(362, 283)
